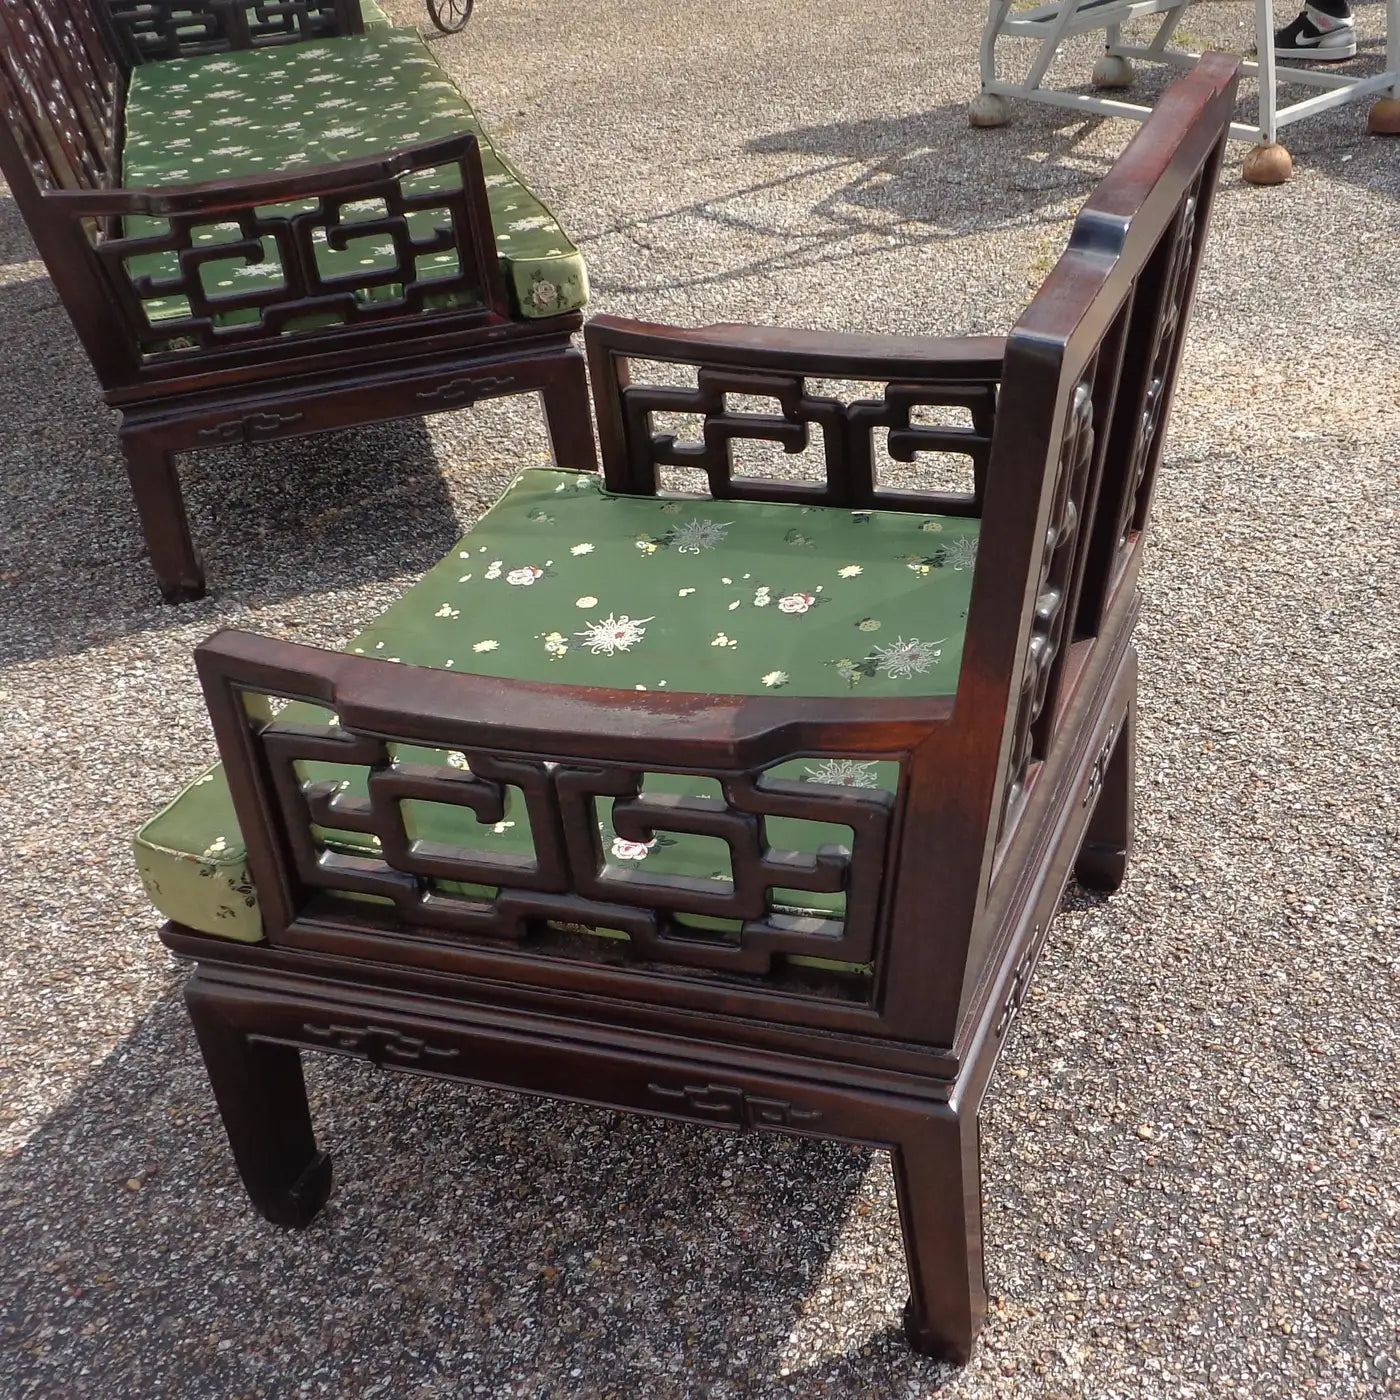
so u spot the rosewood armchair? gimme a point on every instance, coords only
(266, 222)
(748, 807)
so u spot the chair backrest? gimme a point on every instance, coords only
(1062, 457)
(1088, 380)
(60, 93)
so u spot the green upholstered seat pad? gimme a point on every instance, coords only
(563, 581)
(296, 106)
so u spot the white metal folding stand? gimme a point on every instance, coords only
(1267, 163)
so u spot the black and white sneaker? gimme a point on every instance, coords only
(1318, 37)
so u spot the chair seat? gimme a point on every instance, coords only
(291, 107)
(563, 581)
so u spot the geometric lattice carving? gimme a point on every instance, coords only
(567, 877)
(154, 29)
(283, 242)
(1051, 618)
(722, 1103)
(847, 431)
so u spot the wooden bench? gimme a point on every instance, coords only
(266, 220)
(751, 806)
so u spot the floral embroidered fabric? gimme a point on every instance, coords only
(563, 581)
(296, 106)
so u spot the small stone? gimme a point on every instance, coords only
(1145, 1132)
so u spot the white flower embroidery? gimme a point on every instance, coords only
(843, 772)
(796, 602)
(722, 641)
(220, 845)
(501, 828)
(684, 592)
(524, 576)
(631, 850)
(775, 678)
(447, 610)
(587, 601)
(696, 534)
(544, 293)
(646, 546)
(902, 659)
(960, 554)
(582, 549)
(614, 634)
(555, 644)
(457, 760)
(487, 645)
(850, 571)
(762, 597)
(494, 569)
(524, 226)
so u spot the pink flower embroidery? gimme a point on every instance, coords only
(527, 575)
(796, 602)
(630, 850)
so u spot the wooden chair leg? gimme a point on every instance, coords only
(938, 1182)
(262, 1100)
(155, 485)
(567, 416)
(1103, 855)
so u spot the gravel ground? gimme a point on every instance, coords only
(1191, 1152)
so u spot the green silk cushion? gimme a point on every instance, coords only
(563, 581)
(289, 107)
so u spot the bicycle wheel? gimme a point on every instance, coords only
(450, 15)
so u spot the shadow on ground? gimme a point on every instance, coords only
(546, 1243)
(73, 571)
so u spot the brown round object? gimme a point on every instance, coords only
(1268, 164)
(1385, 117)
(988, 109)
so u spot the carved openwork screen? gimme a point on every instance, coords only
(1104, 468)
(58, 92)
(771, 876)
(156, 29)
(902, 437)
(399, 243)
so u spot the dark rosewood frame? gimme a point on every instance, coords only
(60, 156)
(1022, 778)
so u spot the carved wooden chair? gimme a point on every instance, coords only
(750, 807)
(274, 298)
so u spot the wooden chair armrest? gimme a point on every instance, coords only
(259, 191)
(830, 354)
(439, 708)
(152, 30)
(182, 217)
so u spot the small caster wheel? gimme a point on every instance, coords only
(1113, 71)
(1268, 164)
(1384, 119)
(988, 109)
(450, 15)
